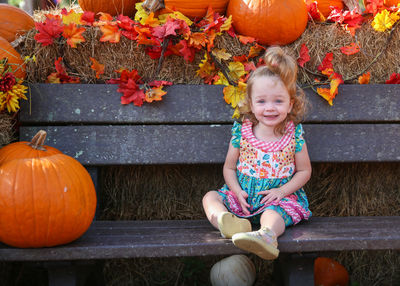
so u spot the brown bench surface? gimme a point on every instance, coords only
(127, 239)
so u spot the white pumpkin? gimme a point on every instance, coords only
(235, 270)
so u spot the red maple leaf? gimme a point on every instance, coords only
(131, 93)
(394, 79)
(49, 30)
(313, 11)
(128, 27)
(158, 83)
(87, 18)
(167, 29)
(373, 6)
(326, 62)
(186, 51)
(304, 55)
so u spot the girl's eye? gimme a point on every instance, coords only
(261, 101)
(279, 101)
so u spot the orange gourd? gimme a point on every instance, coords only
(272, 22)
(14, 58)
(191, 9)
(390, 3)
(14, 22)
(329, 272)
(112, 7)
(324, 5)
(45, 200)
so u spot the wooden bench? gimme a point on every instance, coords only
(192, 126)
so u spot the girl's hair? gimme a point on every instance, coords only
(282, 66)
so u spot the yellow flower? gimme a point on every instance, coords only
(10, 98)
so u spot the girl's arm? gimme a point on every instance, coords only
(299, 179)
(230, 177)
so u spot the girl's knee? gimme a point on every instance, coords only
(210, 196)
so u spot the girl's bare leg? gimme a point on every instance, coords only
(273, 221)
(213, 206)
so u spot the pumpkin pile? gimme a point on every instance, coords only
(46, 197)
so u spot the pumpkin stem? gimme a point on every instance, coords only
(38, 140)
(153, 5)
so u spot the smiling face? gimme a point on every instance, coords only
(270, 101)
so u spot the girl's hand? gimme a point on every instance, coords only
(271, 195)
(242, 196)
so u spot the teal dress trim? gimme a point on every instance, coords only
(236, 134)
(298, 134)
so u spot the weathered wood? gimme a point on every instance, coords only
(127, 239)
(100, 104)
(169, 144)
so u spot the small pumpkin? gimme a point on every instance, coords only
(13, 58)
(191, 9)
(329, 272)
(390, 3)
(112, 7)
(45, 200)
(14, 22)
(272, 22)
(235, 270)
(324, 5)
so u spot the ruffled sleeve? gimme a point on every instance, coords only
(236, 134)
(298, 134)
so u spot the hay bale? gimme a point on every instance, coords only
(319, 38)
(6, 129)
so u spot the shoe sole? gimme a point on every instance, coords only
(256, 246)
(229, 224)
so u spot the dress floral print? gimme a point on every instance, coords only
(264, 166)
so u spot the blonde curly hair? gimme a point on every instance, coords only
(282, 66)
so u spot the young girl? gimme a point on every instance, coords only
(267, 162)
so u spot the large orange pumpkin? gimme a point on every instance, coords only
(113, 7)
(191, 9)
(324, 5)
(44, 201)
(272, 22)
(14, 58)
(329, 272)
(13, 22)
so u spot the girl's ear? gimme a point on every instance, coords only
(291, 106)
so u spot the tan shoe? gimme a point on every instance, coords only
(229, 224)
(262, 243)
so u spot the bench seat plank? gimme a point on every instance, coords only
(191, 144)
(100, 103)
(127, 239)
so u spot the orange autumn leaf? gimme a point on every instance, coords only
(105, 17)
(145, 36)
(111, 33)
(246, 40)
(350, 50)
(154, 94)
(326, 94)
(73, 34)
(364, 79)
(197, 40)
(255, 51)
(151, 21)
(97, 67)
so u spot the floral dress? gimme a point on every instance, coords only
(263, 166)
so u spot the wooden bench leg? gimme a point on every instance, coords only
(295, 269)
(73, 274)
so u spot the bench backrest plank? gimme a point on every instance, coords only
(100, 104)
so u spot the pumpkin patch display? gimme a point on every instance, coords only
(46, 198)
(112, 7)
(13, 58)
(329, 272)
(191, 9)
(272, 22)
(14, 22)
